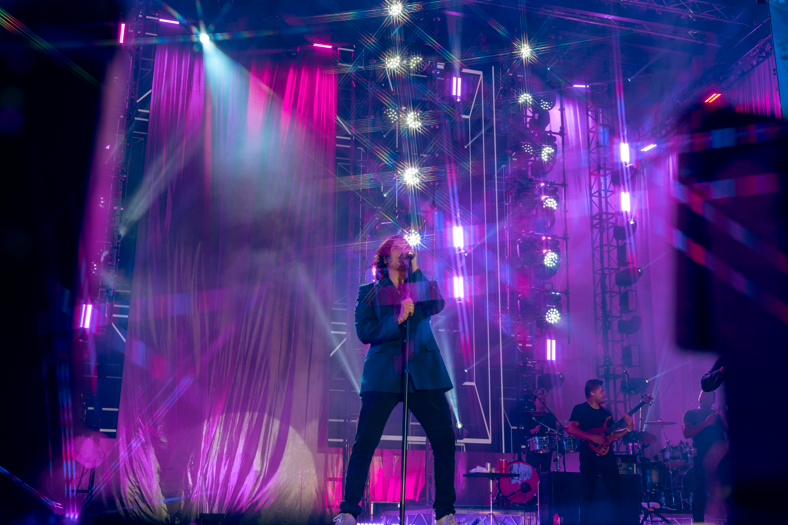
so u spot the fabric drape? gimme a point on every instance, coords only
(223, 405)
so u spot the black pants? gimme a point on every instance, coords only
(606, 467)
(432, 411)
(699, 494)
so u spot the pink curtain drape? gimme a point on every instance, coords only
(224, 405)
(757, 91)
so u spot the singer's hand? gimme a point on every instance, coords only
(407, 310)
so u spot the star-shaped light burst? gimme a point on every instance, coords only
(413, 120)
(525, 51)
(395, 9)
(410, 176)
(392, 62)
(413, 238)
(525, 98)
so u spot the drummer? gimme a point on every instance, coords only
(541, 461)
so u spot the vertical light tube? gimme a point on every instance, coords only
(625, 202)
(459, 289)
(459, 87)
(454, 86)
(458, 236)
(122, 33)
(88, 314)
(624, 152)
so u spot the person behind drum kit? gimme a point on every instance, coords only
(706, 428)
(540, 460)
(591, 415)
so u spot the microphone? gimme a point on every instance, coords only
(408, 256)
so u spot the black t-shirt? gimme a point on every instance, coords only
(709, 435)
(588, 417)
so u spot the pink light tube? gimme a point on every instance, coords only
(122, 33)
(326, 46)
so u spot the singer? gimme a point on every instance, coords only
(382, 311)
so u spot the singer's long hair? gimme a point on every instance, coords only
(382, 257)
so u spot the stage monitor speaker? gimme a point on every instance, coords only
(559, 493)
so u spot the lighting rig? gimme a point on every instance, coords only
(533, 140)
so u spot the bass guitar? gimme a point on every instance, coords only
(608, 427)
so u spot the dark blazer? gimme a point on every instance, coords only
(377, 309)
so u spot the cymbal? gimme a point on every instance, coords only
(645, 438)
(660, 423)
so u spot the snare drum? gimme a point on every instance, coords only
(570, 444)
(676, 456)
(540, 444)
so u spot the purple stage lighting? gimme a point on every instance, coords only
(87, 312)
(625, 202)
(624, 152)
(165, 21)
(325, 46)
(551, 349)
(122, 33)
(649, 147)
(458, 236)
(459, 289)
(579, 86)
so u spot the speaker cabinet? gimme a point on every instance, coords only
(559, 493)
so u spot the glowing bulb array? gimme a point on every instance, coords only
(550, 259)
(395, 10)
(525, 98)
(393, 62)
(551, 203)
(413, 238)
(413, 120)
(525, 51)
(414, 61)
(552, 315)
(392, 114)
(547, 153)
(411, 176)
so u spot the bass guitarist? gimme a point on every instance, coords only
(589, 416)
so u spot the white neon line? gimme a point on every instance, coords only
(119, 315)
(143, 96)
(334, 351)
(117, 330)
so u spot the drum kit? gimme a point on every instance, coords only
(667, 479)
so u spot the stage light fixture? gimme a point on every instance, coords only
(622, 233)
(529, 148)
(324, 46)
(712, 98)
(204, 38)
(458, 237)
(525, 51)
(392, 62)
(547, 101)
(410, 176)
(626, 204)
(649, 147)
(547, 153)
(122, 33)
(630, 326)
(165, 21)
(525, 98)
(415, 61)
(540, 252)
(392, 114)
(413, 120)
(624, 149)
(413, 238)
(628, 276)
(550, 203)
(551, 259)
(459, 289)
(552, 315)
(551, 350)
(550, 381)
(395, 9)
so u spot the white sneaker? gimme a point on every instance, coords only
(345, 519)
(447, 520)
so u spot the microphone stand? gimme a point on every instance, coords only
(560, 432)
(405, 388)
